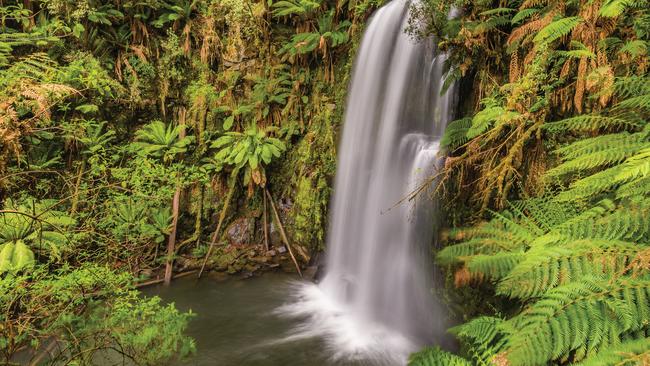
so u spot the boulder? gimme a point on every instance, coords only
(239, 231)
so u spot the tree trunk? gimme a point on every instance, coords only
(171, 242)
(265, 223)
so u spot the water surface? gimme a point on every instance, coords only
(236, 323)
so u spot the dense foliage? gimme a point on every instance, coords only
(556, 154)
(129, 130)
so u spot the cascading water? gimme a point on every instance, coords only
(375, 301)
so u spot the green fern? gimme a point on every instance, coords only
(582, 317)
(434, 356)
(456, 133)
(629, 353)
(547, 267)
(486, 335)
(556, 30)
(614, 8)
(590, 123)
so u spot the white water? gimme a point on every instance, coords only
(375, 302)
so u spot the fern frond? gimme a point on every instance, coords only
(494, 266)
(635, 48)
(488, 118)
(628, 353)
(546, 267)
(454, 253)
(626, 87)
(629, 223)
(485, 334)
(598, 159)
(614, 8)
(524, 14)
(638, 102)
(456, 133)
(597, 144)
(434, 356)
(556, 30)
(584, 317)
(590, 123)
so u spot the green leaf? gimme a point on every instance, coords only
(78, 30)
(87, 108)
(228, 122)
(15, 256)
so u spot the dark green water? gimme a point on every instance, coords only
(235, 324)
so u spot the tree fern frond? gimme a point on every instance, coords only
(434, 356)
(614, 8)
(556, 30)
(597, 159)
(590, 123)
(485, 334)
(589, 314)
(635, 48)
(455, 253)
(596, 144)
(488, 118)
(629, 223)
(628, 353)
(494, 266)
(456, 133)
(626, 87)
(638, 102)
(638, 187)
(546, 213)
(546, 267)
(523, 14)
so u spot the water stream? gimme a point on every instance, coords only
(375, 302)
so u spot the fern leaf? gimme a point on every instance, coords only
(590, 315)
(434, 356)
(456, 133)
(632, 352)
(546, 267)
(590, 123)
(556, 30)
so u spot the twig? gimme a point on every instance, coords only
(160, 280)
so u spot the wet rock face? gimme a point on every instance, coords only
(239, 232)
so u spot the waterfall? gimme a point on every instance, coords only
(375, 301)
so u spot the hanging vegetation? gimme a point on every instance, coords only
(554, 153)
